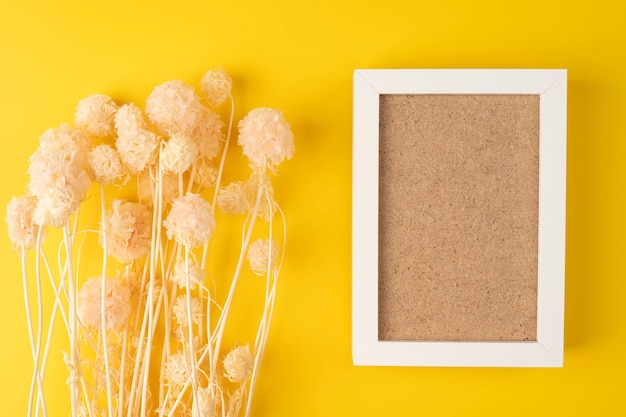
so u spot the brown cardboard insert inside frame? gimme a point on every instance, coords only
(458, 217)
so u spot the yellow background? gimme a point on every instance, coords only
(299, 56)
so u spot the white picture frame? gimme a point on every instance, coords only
(547, 350)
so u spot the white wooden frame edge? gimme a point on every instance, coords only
(547, 351)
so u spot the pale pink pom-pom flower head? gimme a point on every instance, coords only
(55, 207)
(58, 175)
(265, 138)
(262, 255)
(95, 114)
(105, 164)
(206, 402)
(238, 363)
(177, 370)
(208, 134)
(137, 149)
(232, 199)
(129, 119)
(216, 86)
(58, 166)
(22, 227)
(66, 137)
(173, 107)
(206, 173)
(187, 270)
(62, 151)
(190, 221)
(146, 187)
(116, 304)
(180, 310)
(178, 153)
(241, 197)
(128, 231)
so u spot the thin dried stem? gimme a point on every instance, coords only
(191, 350)
(219, 328)
(259, 344)
(103, 289)
(220, 171)
(29, 323)
(73, 316)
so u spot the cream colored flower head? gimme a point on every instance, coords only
(58, 175)
(50, 166)
(176, 370)
(129, 119)
(178, 153)
(137, 149)
(240, 198)
(66, 146)
(55, 207)
(216, 86)
(238, 363)
(128, 227)
(232, 199)
(146, 187)
(180, 310)
(105, 164)
(208, 134)
(206, 173)
(22, 227)
(265, 138)
(190, 221)
(187, 270)
(206, 403)
(173, 107)
(95, 114)
(235, 402)
(262, 255)
(66, 137)
(116, 304)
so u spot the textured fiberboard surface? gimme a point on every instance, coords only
(458, 217)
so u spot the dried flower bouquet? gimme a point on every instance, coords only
(151, 317)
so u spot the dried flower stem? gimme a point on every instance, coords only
(192, 351)
(165, 354)
(155, 244)
(219, 332)
(140, 329)
(58, 291)
(74, 353)
(166, 340)
(105, 350)
(31, 336)
(131, 409)
(36, 354)
(122, 383)
(220, 170)
(264, 326)
(223, 158)
(209, 336)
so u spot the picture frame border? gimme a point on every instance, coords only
(551, 86)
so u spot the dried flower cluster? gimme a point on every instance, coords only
(22, 227)
(116, 303)
(155, 289)
(238, 363)
(190, 221)
(266, 138)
